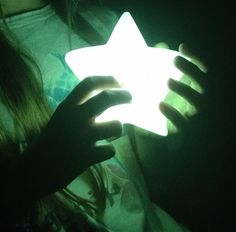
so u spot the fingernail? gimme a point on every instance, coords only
(128, 95)
(178, 61)
(183, 48)
(172, 83)
(162, 106)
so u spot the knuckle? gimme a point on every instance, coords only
(89, 81)
(196, 71)
(106, 95)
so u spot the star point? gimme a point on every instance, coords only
(142, 70)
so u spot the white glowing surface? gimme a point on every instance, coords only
(142, 70)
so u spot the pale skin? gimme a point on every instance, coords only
(147, 146)
(73, 111)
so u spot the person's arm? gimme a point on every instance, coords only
(65, 149)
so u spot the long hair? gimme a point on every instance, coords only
(22, 94)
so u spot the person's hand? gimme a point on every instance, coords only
(68, 145)
(162, 157)
(186, 98)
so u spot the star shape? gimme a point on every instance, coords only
(141, 69)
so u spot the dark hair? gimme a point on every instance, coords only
(21, 93)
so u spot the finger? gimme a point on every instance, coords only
(187, 51)
(105, 130)
(162, 45)
(98, 153)
(185, 91)
(191, 70)
(179, 121)
(107, 98)
(89, 84)
(103, 152)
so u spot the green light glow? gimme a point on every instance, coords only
(142, 70)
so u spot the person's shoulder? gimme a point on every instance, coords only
(101, 18)
(102, 12)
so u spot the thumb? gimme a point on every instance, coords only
(104, 151)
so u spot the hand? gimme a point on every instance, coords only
(162, 158)
(68, 146)
(187, 96)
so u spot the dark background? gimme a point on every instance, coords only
(206, 24)
(205, 197)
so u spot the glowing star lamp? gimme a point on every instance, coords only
(142, 70)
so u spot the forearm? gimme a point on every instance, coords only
(24, 182)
